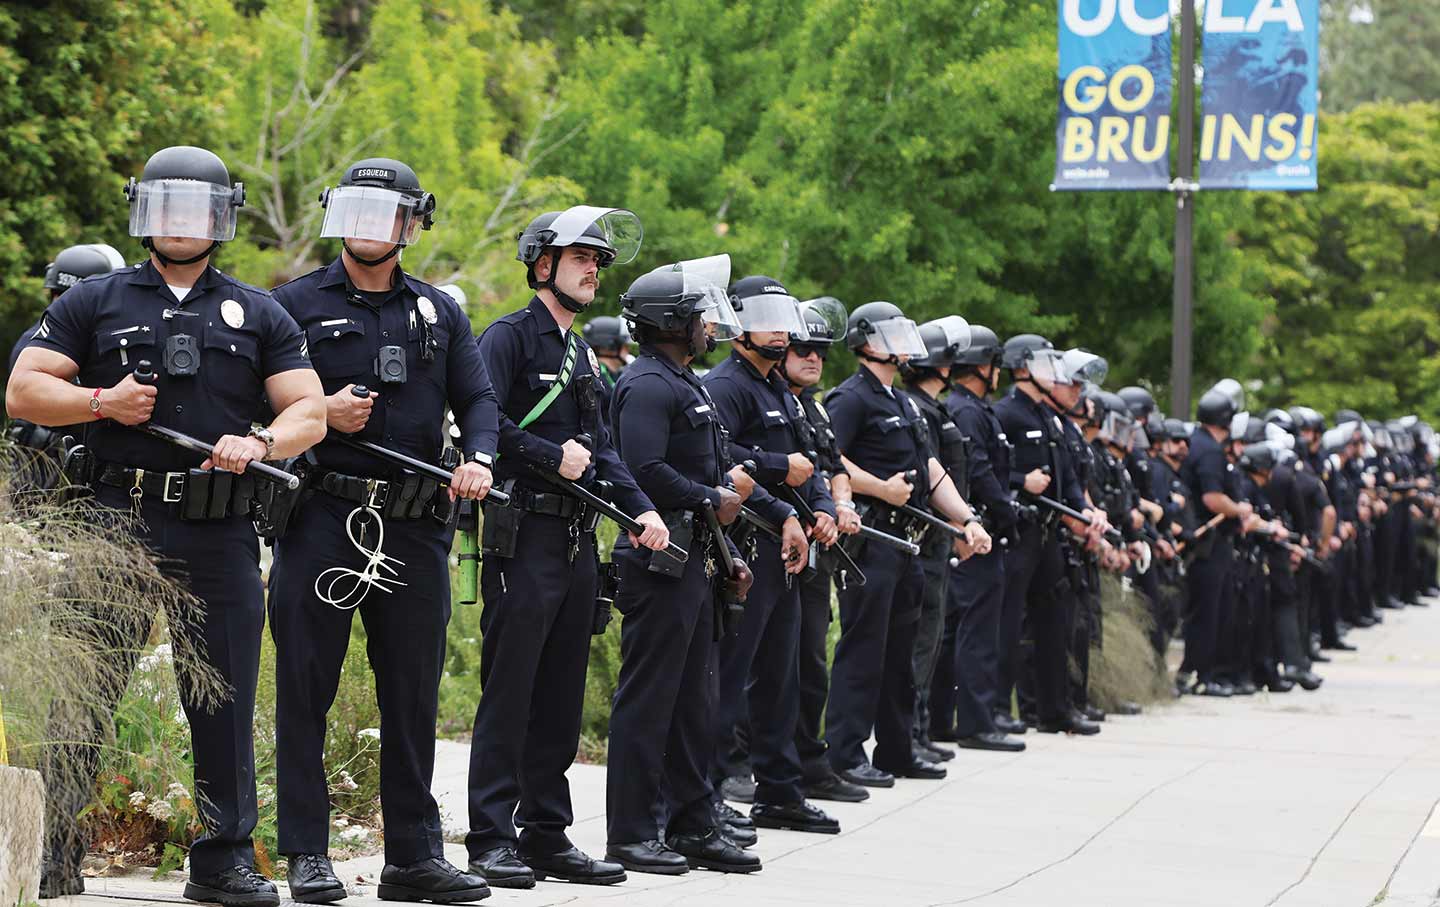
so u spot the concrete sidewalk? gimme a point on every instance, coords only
(1321, 799)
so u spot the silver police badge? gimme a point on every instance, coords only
(427, 310)
(594, 363)
(233, 314)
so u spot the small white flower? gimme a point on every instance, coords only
(161, 810)
(164, 652)
(372, 732)
(176, 791)
(137, 800)
(346, 782)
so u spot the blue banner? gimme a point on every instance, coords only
(1259, 126)
(1114, 126)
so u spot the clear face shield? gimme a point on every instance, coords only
(1232, 389)
(1117, 429)
(184, 208)
(706, 279)
(829, 311)
(772, 313)
(371, 213)
(897, 337)
(957, 333)
(1046, 367)
(1083, 367)
(1278, 438)
(620, 229)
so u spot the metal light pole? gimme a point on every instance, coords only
(1184, 187)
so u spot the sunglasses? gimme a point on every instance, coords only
(805, 352)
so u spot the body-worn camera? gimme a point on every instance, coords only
(390, 365)
(587, 397)
(182, 356)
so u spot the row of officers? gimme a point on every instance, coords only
(965, 540)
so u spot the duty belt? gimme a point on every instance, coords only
(167, 486)
(405, 497)
(194, 494)
(546, 503)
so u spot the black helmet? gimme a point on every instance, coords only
(1215, 408)
(1347, 415)
(1140, 401)
(388, 173)
(1306, 418)
(1155, 426)
(984, 348)
(944, 339)
(1281, 418)
(186, 162)
(863, 323)
(184, 191)
(1246, 428)
(1175, 430)
(606, 332)
(76, 263)
(825, 319)
(1018, 349)
(1257, 457)
(668, 297)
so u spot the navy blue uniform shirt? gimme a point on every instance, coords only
(345, 330)
(989, 462)
(881, 430)
(1205, 470)
(524, 352)
(668, 433)
(107, 323)
(1037, 439)
(757, 411)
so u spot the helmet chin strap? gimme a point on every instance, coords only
(773, 353)
(372, 262)
(167, 261)
(892, 359)
(1062, 408)
(568, 302)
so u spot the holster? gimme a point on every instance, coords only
(274, 506)
(681, 524)
(501, 526)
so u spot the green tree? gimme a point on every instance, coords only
(89, 89)
(1375, 50)
(890, 150)
(1354, 269)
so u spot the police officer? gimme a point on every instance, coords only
(218, 345)
(609, 337)
(963, 693)
(759, 662)
(882, 435)
(541, 569)
(369, 529)
(926, 378)
(661, 727)
(1207, 475)
(1036, 588)
(70, 267)
(802, 366)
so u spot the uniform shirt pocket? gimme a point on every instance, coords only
(339, 351)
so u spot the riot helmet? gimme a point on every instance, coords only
(76, 263)
(184, 192)
(889, 334)
(613, 233)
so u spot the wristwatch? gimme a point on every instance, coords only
(266, 435)
(95, 403)
(845, 505)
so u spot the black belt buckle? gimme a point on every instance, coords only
(173, 488)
